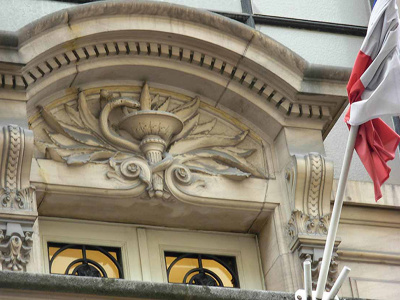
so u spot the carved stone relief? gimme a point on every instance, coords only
(316, 259)
(17, 197)
(16, 152)
(309, 183)
(304, 224)
(156, 141)
(15, 247)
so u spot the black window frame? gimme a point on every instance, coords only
(84, 259)
(228, 262)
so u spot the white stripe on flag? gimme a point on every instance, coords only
(382, 78)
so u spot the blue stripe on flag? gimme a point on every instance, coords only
(374, 3)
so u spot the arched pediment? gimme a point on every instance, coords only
(239, 88)
(237, 67)
(142, 147)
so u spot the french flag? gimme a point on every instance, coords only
(374, 91)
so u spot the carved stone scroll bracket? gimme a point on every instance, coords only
(309, 180)
(18, 210)
(16, 152)
(308, 235)
(15, 245)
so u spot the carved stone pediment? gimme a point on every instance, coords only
(148, 141)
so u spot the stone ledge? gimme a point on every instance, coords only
(105, 287)
(125, 288)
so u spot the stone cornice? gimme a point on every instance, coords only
(240, 58)
(14, 40)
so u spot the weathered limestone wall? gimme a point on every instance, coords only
(250, 89)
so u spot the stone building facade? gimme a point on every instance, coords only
(152, 132)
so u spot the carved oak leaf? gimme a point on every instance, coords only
(187, 110)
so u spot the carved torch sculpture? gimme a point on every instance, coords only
(152, 128)
(145, 141)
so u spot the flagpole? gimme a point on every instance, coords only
(337, 208)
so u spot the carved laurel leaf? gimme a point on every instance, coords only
(59, 139)
(193, 142)
(83, 136)
(155, 100)
(86, 115)
(213, 168)
(62, 154)
(164, 106)
(238, 151)
(74, 115)
(51, 121)
(187, 128)
(225, 156)
(80, 135)
(80, 159)
(204, 128)
(187, 110)
(54, 154)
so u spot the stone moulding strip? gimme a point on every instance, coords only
(131, 48)
(370, 257)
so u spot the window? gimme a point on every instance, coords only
(201, 269)
(145, 253)
(85, 260)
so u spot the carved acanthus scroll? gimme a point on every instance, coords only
(309, 181)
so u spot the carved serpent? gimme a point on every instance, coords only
(104, 123)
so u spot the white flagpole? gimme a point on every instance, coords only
(337, 209)
(338, 284)
(307, 279)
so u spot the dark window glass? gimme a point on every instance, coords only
(84, 260)
(201, 269)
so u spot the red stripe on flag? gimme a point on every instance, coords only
(355, 87)
(376, 142)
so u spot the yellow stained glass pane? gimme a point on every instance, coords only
(220, 270)
(185, 265)
(104, 261)
(179, 270)
(66, 257)
(63, 259)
